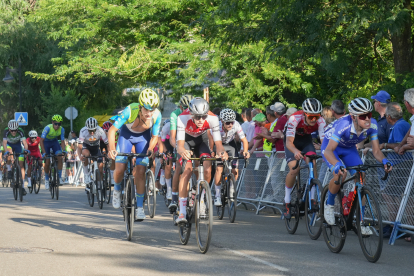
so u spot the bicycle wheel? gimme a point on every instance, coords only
(52, 183)
(151, 194)
(38, 178)
(292, 223)
(232, 203)
(19, 182)
(204, 216)
(107, 185)
(91, 198)
(129, 209)
(185, 230)
(57, 183)
(371, 243)
(31, 188)
(223, 194)
(313, 216)
(334, 235)
(99, 189)
(13, 183)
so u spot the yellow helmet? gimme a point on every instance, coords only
(149, 99)
(57, 118)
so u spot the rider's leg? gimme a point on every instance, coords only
(22, 169)
(290, 180)
(176, 181)
(168, 168)
(85, 161)
(183, 187)
(217, 179)
(139, 179)
(29, 173)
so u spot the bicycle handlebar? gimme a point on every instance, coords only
(363, 168)
(312, 157)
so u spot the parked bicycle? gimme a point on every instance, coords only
(36, 173)
(306, 201)
(364, 216)
(54, 181)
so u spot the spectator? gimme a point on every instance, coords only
(328, 116)
(338, 109)
(279, 110)
(399, 127)
(260, 121)
(246, 117)
(381, 99)
(408, 142)
(72, 135)
(290, 111)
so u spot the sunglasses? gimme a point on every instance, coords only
(229, 123)
(313, 117)
(33, 138)
(57, 124)
(199, 117)
(92, 130)
(365, 116)
(13, 130)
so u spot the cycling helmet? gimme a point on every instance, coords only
(312, 105)
(91, 123)
(149, 99)
(107, 125)
(359, 106)
(33, 134)
(13, 125)
(166, 122)
(185, 100)
(57, 118)
(198, 106)
(227, 115)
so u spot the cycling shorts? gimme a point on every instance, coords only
(231, 149)
(34, 154)
(128, 139)
(349, 157)
(52, 145)
(303, 143)
(17, 148)
(102, 146)
(199, 145)
(168, 148)
(93, 150)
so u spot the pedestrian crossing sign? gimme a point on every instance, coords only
(21, 118)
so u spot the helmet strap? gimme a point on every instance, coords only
(139, 116)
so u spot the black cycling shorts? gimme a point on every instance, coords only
(304, 143)
(199, 145)
(93, 150)
(231, 149)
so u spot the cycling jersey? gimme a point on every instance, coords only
(33, 146)
(50, 134)
(173, 118)
(343, 132)
(296, 125)
(130, 113)
(92, 140)
(186, 125)
(165, 131)
(16, 139)
(228, 136)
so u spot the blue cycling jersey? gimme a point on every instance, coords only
(343, 132)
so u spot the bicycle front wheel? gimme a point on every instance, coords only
(129, 209)
(292, 223)
(57, 183)
(151, 194)
(232, 198)
(334, 235)
(312, 211)
(99, 189)
(36, 185)
(107, 185)
(204, 216)
(369, 226)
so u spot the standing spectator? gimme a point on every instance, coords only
(72, 135)
(280, 112)
(338, 109)
(246, 116)
(381, 99)
(250, 128)
(290, 111)
(260, 121)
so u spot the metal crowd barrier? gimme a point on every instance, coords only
(262, 184)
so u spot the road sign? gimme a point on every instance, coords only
(71, 113)
(22, 118)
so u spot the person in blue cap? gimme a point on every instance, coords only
(381, 99)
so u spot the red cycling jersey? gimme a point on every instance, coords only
(296, 125)
(33, 146)
(186, 125)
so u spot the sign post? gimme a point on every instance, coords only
(206, 94)
(71, 113)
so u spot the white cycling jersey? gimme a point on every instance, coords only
(227, 137)
(92, 140)
(185, 125)
(165, 131)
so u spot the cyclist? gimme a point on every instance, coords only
(49, 140)
(297, 139)
(339, 149)
(13, 136)
(192, 126)
(229, 127)
(3, 164)
(139, 127)
(184, 101)
(165, 178)
(90, 137)
(33, 145)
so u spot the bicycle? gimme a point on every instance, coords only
(228, 181)
(54, 181)
(201, 211)
(107, 185)
(301, 204)
(5, 180)
(96, 186)
(128, 202)
(17, 179)
(163, 191)
(36, 174)
(335, 235)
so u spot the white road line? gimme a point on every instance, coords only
(280, 268)
(79, 202)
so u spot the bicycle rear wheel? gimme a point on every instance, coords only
(151, 194)
(129, 209)
(232, 203)
(334, 235)
(36, 186)
(57, 183)
(99, 189)
(107, 186)
(52, 183)
(13, 182)
(204, 216)
(313, 215)
(371, 243)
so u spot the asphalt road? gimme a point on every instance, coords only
(41, 236)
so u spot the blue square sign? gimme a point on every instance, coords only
(21, 118)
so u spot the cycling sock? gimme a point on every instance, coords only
(218, 189)
(174, 196)
(313, 192)
(183, 204)
(85, 170)
(47, 176)
(60, 173)
(287, 194)
(162, 177)
(331, 199)
(117, 186)
(168, 181)
(140, 200)
(29, 180)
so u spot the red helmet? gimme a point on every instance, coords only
(107, 125)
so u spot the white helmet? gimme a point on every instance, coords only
(185, 100)
(312, 105)
(359, 106)
(227, 115)
(198, 106)
(33, 134)
(13, 125)
(91, 123)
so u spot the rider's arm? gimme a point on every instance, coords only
(24, 144)
(79, 149)
(42, 145)
(111, 138)
(62, 139)
(161, 147)
(376, 151)
(245, 145)
(404, 141)
(210, 140)
(289, 144)
(173, 135)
